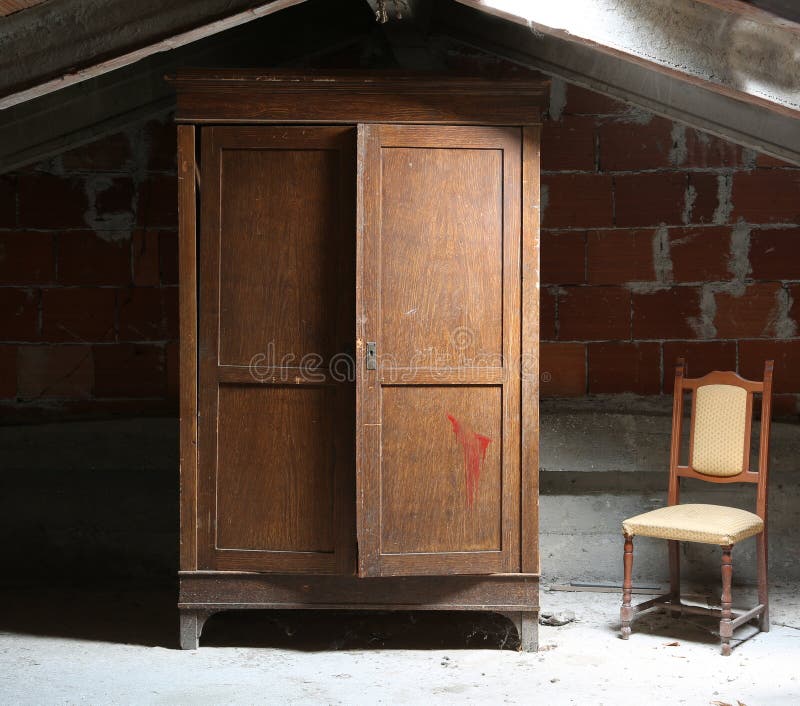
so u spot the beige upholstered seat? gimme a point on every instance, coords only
(709, 524)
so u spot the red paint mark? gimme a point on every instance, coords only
(474, 446)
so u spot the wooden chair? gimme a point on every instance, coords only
(719, 452)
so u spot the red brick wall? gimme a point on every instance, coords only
(660, 241)
(657, 241)
(88, 280)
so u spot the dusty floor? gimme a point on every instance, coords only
(105, 648)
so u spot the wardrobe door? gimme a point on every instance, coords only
(438, 303)
(276, 305)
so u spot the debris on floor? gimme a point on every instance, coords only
(556, 619)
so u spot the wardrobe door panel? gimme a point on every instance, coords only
(438, 414)
(276, 291)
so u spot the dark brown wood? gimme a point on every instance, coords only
(675, 571)
(231, 590)
(729, 622)
(439, 478)
(725, 627)
(529, 366)
(277, 213)
(426, 237)
(626, 612)
(217, 96)
(187, 244)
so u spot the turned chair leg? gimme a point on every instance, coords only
(763, 586)
(626, 612)
(725, 629)
(674, 577)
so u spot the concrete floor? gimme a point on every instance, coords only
(76, 647)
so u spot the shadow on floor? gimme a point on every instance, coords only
(149, 617)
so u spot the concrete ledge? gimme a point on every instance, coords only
(100, 498)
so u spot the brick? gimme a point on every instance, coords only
(701, 357)
(766, 161)
(630, 146)
(8, 372)
(19, 314)
(563, 257)
(112, 152)
(50, 201)
(700, 254)
(169, 298)
(562, 369)
(161, 139)
(751, 315)
(547, 314)
(702, 206)
(158, 201)
(786, 355)
(666, 313)
(145, 256)
(624, 367)
(577, 200)
(704, 150)
(78, 315)
(619, 256)
(594, 313)
(168, 257)
(767, 196)
(773, 254)
(582, 101)
(55, 372)
(141, 316)
(114, 198)
(794, 310)
(27, 257)
(8, 202)
(85, 258)
(129, 370)
(649, 199)
(568, 144)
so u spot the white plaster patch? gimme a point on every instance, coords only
(544, 197)
(724, 203)
(703, 325)
(739, 258)
(558, 98)
(110, 221)
(783, 324)
(662, 257)
(635, 116)
(678, 152)
(689, 197)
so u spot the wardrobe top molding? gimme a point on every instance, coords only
(256, 96)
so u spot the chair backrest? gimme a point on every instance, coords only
(720, 431)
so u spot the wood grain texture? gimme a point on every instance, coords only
(234, 590)
(9, 7)
(442, 253)
(187, 244)
(439, 291)
(429, 503)
(275, 468)
(218, 96)
(277, 285)
(276, 474)
(529, 367)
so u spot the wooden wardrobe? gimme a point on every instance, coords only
(359, 263)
